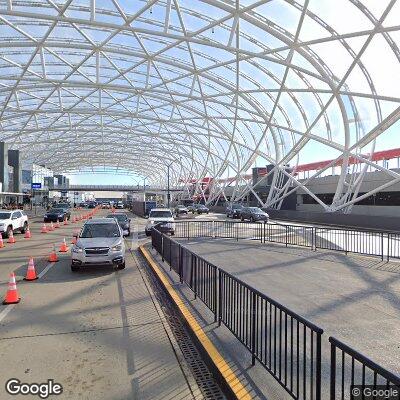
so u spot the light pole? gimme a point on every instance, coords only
(144, 188)
(168, 189)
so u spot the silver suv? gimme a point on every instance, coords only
(100, 242)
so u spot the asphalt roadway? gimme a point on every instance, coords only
(97, 332)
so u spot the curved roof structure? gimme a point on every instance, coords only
(210, 87)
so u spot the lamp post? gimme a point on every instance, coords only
(144, 188)
(168, 189)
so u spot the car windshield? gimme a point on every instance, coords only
(56, 210)
(5, 215)
(256, 210)
(100, 231)
(118, 217)
(160, 214)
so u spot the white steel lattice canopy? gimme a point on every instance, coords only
(214, 86)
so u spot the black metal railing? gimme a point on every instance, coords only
(349, 368)
(385, 245)
(287, 345)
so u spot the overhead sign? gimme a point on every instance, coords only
(37, 185)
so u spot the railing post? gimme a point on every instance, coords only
(346, 238)
(286, 235)
(215, 294)
(389, 247)
(162, 248)
(333, 372)
(219, 297)
(265, 223)
(180, 260)
(382, 245)
(170, 254)
(318, 369)
(253, 328)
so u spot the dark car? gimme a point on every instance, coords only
(123, 221)
(91, 204)
(180, 209)
(57, 214)
(200, 209)
(234, 211)
(253, 214)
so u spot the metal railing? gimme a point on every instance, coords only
(285, 343)
(385, 245)
(349, 368)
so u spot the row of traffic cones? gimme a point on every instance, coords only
(11, 238)
(12, 296)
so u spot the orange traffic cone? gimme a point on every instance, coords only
(57, 225)
(65, 221)
(27, 233)
(31, 273)
(44, 229)
(53, 255)
(11, 238)
(12, 293)
(1, 241)
(51, 227)
(63, 247)
(74, 220)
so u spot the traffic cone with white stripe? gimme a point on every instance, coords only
(51, 227)
(44, 229)
(31, 272)
(12, 293)
(63, 247)
(53, 255)
(1, 241)
(57, 225)
(11, 238)
(27, 233)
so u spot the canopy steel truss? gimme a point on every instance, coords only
(212, 86)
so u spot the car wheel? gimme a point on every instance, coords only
(8, 231)
(24, 228)
(172, 233)
(74, 268)
(121, 266)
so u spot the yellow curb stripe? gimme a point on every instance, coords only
(226, 372)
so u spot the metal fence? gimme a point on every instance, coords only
(385, 245)
(287, 345)
(349, 368)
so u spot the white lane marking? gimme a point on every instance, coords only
(46, 269)
(11, 306)
(6, 311)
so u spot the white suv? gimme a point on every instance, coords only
(162, 217)
(11, 221)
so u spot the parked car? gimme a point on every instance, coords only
(57, 214)
(253, 214)
(234, 210)
(100, 242)
(180, 209)
(91, 204)
(119, 205)
(11, 221)
(106, 205)
(158, 215)
(123, 221)
(200, 209)
(191, 207)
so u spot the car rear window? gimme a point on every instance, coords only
(160, 214)
(4, 215)
(100, 230)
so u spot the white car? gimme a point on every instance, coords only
(11, 221)
(162, 216)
